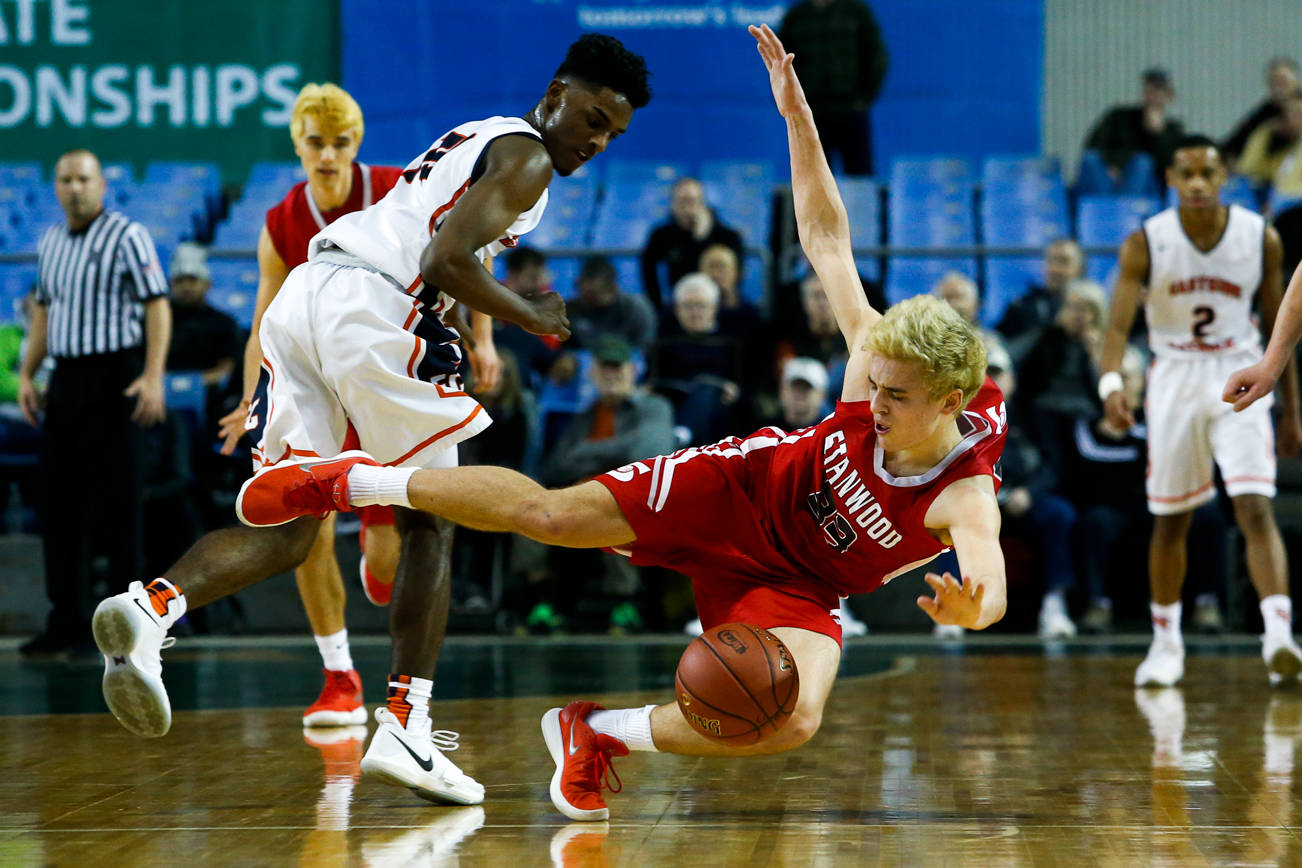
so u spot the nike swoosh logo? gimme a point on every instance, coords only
(152, 616)
(573, 748)
(427, 764)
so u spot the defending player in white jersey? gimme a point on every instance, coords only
(357, 335)
(1202, 263)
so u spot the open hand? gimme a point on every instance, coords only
(1116, 409)
(954, 603)
(485, 365)
(151, 406)
(787, 92)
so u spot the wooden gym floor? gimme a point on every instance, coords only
(1001, 752)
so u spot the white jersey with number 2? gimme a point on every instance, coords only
(1200, 303)
(390, 235)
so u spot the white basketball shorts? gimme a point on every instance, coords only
(1189, 427)
(349, 362)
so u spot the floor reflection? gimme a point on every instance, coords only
(437, 842)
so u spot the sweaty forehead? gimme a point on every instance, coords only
(616, 106)
(1196, 159)
(895, 374)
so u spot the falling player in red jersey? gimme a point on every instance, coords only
(773, 528)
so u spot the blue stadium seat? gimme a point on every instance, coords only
(619, 225)
(1008, 278)
(1018, 168)
(1102, 270)
(760, 175)
(643, 172)
(20, 173)
(234, 288)
(1107, 220)
(186, 394)
(567, 222)
(745, 207)
(930, 219)
(862, 197)
(279, 176)
(940, 168)
(910, 276)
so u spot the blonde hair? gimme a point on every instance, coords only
(926, 331)
(331, 105)
(1092, 294)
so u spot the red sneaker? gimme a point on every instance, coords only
(340, 702)
(279, 494)
(582, 759)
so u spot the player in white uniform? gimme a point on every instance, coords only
(358, 334)
(1202, 263)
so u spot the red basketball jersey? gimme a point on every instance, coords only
(813, 506)
(294, 221)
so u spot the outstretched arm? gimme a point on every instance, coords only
(969, 514)
(821, 217)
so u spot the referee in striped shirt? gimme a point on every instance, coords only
(103, 314)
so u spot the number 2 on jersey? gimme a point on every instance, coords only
(1203, 316)
(447, 143)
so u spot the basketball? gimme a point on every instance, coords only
(737, 684)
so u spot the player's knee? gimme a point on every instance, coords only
(802, 726)
(298, 537)
(1254, 514)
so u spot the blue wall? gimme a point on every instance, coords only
(965, 75)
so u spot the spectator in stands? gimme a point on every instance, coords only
(1025, 317)
(602, 308)
(704, 370)
(678, 243)
(1058, 375)
(626, 423)
(841, 59)
(802, 394)
(1033, 510)
(102, 313)
(814, 333)
(1145, 131)
(526, 274)
(1281, 80)
(203, 338)
(1272, 156)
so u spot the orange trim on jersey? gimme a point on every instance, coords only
(438, 212)
(1269, 479)
(1180, 497)
(445, 432)
(415, 284)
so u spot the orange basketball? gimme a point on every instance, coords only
(737, 683)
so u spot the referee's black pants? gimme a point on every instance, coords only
(93, 492)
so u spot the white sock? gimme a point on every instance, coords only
(416, 697)
(1166, 621)
(369, 485)
(1277, 613)
(334, 651)
(632, 726)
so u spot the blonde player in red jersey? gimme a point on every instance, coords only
(357, 347)
(773, 528)
(1203, 263)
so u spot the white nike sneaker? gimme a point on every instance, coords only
(130, 634)
(1283, 658)
(948, 632)
(693, 627)
(415, 761)
(1164, 665)
(851, 626)
(1054, 621)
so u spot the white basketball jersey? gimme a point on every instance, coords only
(392, 233)
(1200, 303)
